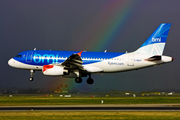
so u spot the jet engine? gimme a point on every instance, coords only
(54, 70)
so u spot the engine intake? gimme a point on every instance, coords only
(54, 70)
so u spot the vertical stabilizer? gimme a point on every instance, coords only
(155, 44)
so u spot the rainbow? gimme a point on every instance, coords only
(107, 26)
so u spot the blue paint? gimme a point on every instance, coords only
(45, 57)
(159, 35)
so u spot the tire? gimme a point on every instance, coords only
(31, 79)
(90, 81)
(78, 80)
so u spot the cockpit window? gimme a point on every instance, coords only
(19, 56)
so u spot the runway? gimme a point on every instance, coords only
(101, 107)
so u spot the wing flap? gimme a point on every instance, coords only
(74, 61)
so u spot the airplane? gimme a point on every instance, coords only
(78, 64)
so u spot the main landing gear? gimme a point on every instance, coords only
(89, 80)
(31, 75)
(78, 80)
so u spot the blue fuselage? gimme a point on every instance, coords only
(45, 57)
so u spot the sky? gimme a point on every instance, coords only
(91, 25)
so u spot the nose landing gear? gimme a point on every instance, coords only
(31, 75)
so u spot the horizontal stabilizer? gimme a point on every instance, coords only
(154, 58)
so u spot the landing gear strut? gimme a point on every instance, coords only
(31, 75)
(90, 80)
(78, 80)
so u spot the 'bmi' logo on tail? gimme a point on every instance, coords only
(155, 44)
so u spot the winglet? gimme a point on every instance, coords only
(79, 53)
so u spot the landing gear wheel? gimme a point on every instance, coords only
(90, 81)
(78, 80)
(31, 79)
(31, 75)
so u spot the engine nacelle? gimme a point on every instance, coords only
(54, 70)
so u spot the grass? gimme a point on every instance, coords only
(34, 100)
(88, 115)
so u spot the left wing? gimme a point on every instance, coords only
(73, 61)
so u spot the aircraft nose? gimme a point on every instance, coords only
(10, 62)
(13, 63)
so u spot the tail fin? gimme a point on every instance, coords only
(155, 44)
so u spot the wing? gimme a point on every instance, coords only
(74, 61)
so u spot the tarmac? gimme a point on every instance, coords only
(98, 107)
